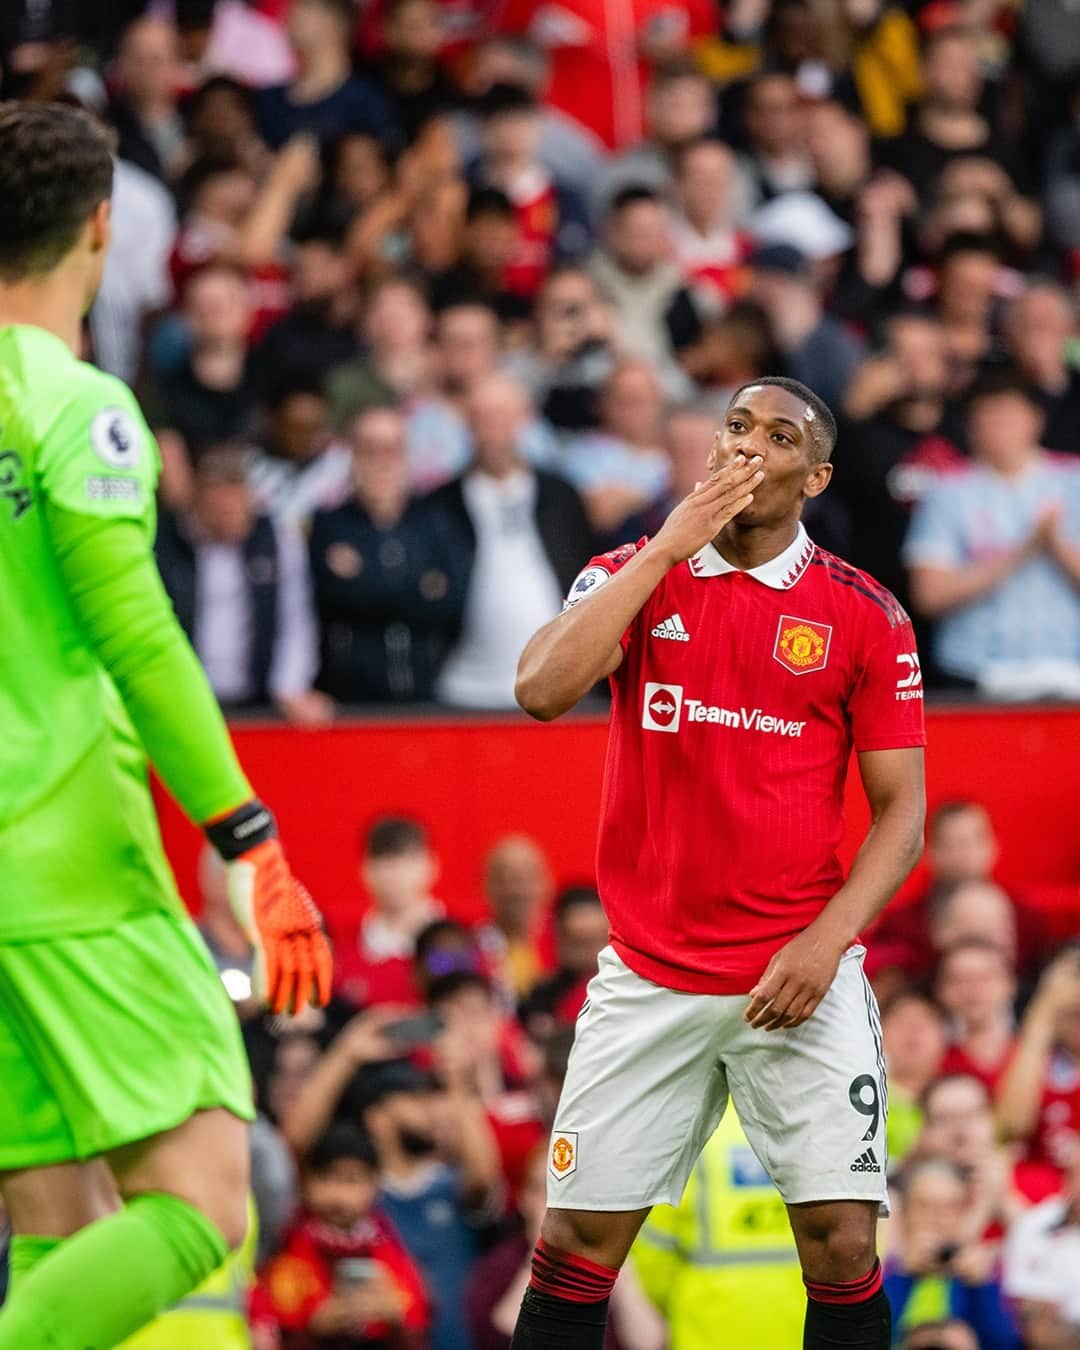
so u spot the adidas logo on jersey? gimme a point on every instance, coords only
(866, 1162)
(672, 629)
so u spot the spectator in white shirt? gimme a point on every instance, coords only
(526, 536)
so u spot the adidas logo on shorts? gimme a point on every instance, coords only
(866, 1162)
(673, 629)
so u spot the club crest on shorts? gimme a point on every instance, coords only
(801, 644)
(564, 1150)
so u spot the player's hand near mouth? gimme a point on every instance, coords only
(563, 661)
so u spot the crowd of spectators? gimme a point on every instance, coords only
(428, 300)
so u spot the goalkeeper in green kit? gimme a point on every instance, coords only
(124, 1092)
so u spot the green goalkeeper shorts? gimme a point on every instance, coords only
(111, 1037)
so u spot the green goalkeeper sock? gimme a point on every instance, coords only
(23, 1255)
(113, 1277)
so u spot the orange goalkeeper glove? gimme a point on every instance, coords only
(293, 966)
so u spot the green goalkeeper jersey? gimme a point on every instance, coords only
(95, 667)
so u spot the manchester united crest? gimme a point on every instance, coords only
(563, 1159)
(801, 644)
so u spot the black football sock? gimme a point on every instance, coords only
(852, 1314)
(566, 1303)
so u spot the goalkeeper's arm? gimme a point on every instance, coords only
(117, 594)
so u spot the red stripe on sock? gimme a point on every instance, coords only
(574, 1278)
(853, 1291)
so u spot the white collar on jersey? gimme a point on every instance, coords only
(781, 572)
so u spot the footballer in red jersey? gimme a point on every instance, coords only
(746, 665)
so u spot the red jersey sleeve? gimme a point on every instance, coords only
(406, 1278)
(886, 706)
(600, 570)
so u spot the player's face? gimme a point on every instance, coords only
(773, 423)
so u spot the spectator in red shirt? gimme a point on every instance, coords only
(961, 847)
(552, 220)
(1039, 1094)
(710, 249)
(976, 985)
(399, 869)
(342, 1280)
(959, 1125)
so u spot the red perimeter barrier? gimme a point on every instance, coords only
(472, 781)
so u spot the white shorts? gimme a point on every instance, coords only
(650, 1074)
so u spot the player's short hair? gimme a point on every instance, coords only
(391, 836)
(822, 423)
(56, 167)
(573, 897)
(341, 1141)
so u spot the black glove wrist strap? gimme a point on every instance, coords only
(250, 824)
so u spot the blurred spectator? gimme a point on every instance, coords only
(388, 576)
(342, 1278)
(777, 160)
(221, 122)
(239, 584)
(913, 1030)
(724, 1256)
(681, 109)
(581, 934)
(297, 467)
(959, 1126)
(816, 348)
(489, 244)
(1042, 1256)
(894, 443)
(967, 287)
(734, 348)
(1039, 1093)
(211, 395)
(574, 353)
(500, 1276)
(963, 910)
(621, 468)
(325, 98)
(976, 986)
(994, 554)
(962, 847)
(216, 197)
(399, 870)
(319, 330)
(933, 1276)
(445, 947)
(689, 431)
(468, 347)
(135, 285)
(438, 1177)
(655, 315)
(517, 523)
(412, 78)
(1038, 327)
(884, 62)
(482, 1045)
(517, 886)
(1063, 173)
(948, 1334)
(708, 246)
(552, 221)
(396, 324)
(838, 144)
(145, 113)
(948, 122)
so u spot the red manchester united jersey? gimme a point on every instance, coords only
(735, 710)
